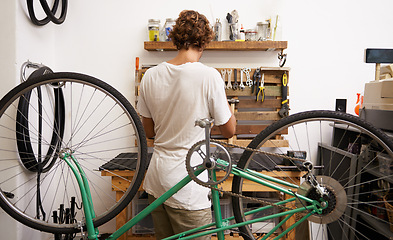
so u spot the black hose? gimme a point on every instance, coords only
(26, 153)
(50, 13)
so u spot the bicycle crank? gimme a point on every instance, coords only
(218, 166)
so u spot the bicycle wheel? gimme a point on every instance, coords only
(79, 114)
(346, 153)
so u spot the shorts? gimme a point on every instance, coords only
(169, 221)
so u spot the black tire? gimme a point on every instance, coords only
(100, 125)
(351, 161)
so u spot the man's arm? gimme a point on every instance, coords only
(229, 128)
(148, 125)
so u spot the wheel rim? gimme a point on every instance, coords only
(98, 128)
(303, 136)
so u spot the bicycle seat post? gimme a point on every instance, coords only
(206, 123)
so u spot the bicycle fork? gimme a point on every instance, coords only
(72, 162)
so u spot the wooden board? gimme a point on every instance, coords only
(223, 46)
(246, 129)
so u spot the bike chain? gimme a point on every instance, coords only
(240, 195)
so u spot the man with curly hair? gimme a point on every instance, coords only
(173, 95)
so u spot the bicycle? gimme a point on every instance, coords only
(59, 131)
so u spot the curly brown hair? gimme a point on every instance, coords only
(192, 29)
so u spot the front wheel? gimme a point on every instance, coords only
(74, 112)
(348, 156)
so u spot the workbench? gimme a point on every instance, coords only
(119, 179)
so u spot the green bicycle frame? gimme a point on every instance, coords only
(221, 224)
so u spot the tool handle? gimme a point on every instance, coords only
(284, 88)
(235, 74)
(137, 63)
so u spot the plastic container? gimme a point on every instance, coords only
(154, 29)
(145, 226)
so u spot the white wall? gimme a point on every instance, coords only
(326, 42)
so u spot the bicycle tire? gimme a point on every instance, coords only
(100, 126)
(310, 133)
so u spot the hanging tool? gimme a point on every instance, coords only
(235, 84)
(284, 103)
(248, 79)
(256, 76)
(229, 85)
(261, 89)
(242, 87)
(223, 74)
(282, 58)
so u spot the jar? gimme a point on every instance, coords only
(217, 30)
(154, 29)
(251, 35)
(169, 23)
(262, 31)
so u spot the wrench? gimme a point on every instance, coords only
(242, 87)
(229, 85)
(247, 72)
(235, 84)
(223, 74)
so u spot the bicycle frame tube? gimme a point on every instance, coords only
(85, 194)
(220, 225)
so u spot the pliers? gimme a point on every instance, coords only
(261, 91)
(256, 76)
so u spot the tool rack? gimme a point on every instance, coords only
(253, 116)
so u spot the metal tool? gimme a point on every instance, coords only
(284, 103)
(241, 86)
(229, 85)
(223, 74)
(256, 77)
(248, 79)
(235, 84)
(261, 89)
(282, 57)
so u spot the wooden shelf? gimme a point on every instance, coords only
(224, 46)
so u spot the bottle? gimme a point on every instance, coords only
(217, 30)
(154, 29)
(269, 29)
(242, 34)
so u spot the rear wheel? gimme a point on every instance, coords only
(73, 112)
(346, 153)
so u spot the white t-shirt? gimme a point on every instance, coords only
(174, 96)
